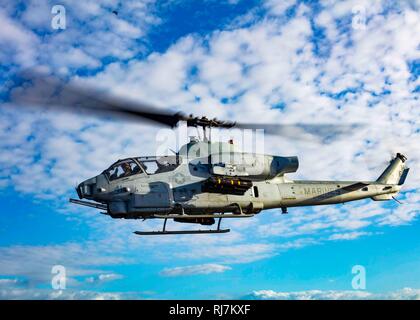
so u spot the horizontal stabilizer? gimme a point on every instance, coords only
(384, 197)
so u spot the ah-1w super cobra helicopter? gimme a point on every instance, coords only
(206, 180)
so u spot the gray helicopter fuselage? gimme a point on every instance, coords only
(181, 187)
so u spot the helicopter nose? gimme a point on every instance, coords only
(86, 188)
(79, 191)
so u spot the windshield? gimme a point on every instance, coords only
(123, 169)
(154, 165)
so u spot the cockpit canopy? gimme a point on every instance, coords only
(141, 165)
(123, 168)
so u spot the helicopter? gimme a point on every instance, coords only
(205, 181)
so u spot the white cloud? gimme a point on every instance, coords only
(75, 58)
(18, 289)
(406, 212)
(279, 7)
(347, 235)
(296, 244)
(43, 294)
(103, 277)
(10, 282)
(35, 262)
(308, 295)
(194, 270)
(16, 39)
(257, 67)
(92, 32)
(403, 294)
(262, 61)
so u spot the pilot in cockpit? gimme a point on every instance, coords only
(127, 169)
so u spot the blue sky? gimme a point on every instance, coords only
(271, 61)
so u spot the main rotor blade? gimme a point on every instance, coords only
(302, 131)
(43, 90)
(48, 91)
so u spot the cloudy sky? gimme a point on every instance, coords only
(267, 61)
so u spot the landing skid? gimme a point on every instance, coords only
(151, 233)
(164, 231)
(195, 216)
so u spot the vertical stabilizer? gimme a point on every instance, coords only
(396, 172)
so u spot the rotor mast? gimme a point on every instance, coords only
(207, 124)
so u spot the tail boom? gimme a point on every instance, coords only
(306, 193)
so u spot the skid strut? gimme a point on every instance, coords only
(164, 231)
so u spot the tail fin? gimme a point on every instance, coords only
(396, 172)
